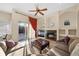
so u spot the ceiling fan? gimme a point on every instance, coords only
(38, 10)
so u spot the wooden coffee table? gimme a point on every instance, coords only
(40, 44)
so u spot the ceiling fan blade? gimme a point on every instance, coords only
(43, 9)
(32, 10)
(41, 13)
(36, 13)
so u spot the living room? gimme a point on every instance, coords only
(46, 33)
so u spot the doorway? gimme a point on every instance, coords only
(23, 26)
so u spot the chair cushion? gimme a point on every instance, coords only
(73, 44)
(2, 53)
(75, 52)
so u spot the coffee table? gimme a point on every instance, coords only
(40, 44)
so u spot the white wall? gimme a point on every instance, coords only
(69, 15)
(40, 23)
(78, 24)
(14, 24)
(5, 29)
(52, 22)
(58, 18)
(5, 19)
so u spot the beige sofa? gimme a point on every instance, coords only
(75, 52)
(15, 51)
(61, 49)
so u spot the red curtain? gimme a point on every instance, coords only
(33, 22)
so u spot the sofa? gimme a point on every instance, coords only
(14, 51)
(8, 47)
(62, 49)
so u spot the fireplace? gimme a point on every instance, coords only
(51, 34)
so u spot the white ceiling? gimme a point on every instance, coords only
(25, 7)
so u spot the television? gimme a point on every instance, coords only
(67, 22)
(41, 33)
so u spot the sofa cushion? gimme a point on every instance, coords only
(73, 44)
(18, 52)
(70, 41)
(61, 46)
(59, 52)
(75, 52)
(3, 45)
(2, 53)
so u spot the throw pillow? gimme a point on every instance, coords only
(66, 40)
(10, 44)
